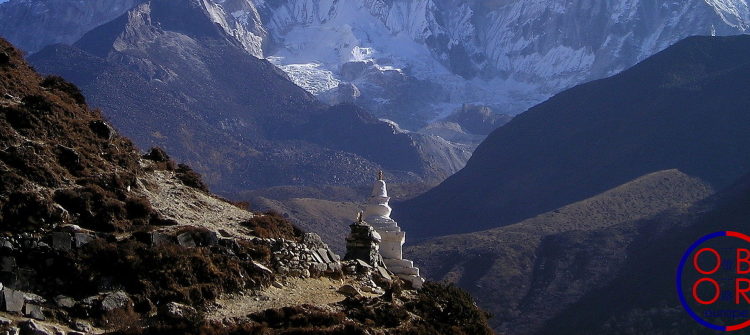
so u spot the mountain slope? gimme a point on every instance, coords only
(97, 238)
(683, 108)
(245, 128)
(650, 271)
(528, 272)
(33, 25)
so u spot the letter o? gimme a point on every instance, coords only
(704, 302)
(695, 261)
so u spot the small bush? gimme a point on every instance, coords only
(138, 209)
(26, 211)
(190, 177)
(19, 118)
(122, 319)
(447, 309)
(37, 103)
(244, 205)
(95, 208)
(157, 154)
(273, 225)
(60, 84)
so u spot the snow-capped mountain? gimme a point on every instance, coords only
(506, 54)
(413, 61)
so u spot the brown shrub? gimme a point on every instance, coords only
(26, 211)
(244, 205)
(447, 309)
(122, 320)
(37, 103)
(190, 177)
(60, 84)
(157, 154)
(138, 209)
(166, 272)
(273, 225)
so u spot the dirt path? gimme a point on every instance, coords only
(319, 291)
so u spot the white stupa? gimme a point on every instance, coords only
(377, 214)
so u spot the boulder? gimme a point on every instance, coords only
(334, 267)
(61, 241)
(318, 267)
(33, 311)
(349, 291)
(115, 300)
(13, 300)
(5, 322)
(186, 240)
(6, 245)
(384, 273)
(69, 157)
(333, 257)
(81, 239)
(178, 311)
(363, 264)
(7, 264)
(30, 327)
(323, 254)
(81, 326)
(64, 301)
(209, 238)
(102, 129)
(312, 240)
(157, 238)
(33, 298)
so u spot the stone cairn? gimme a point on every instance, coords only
(377, 213)
(363, 243)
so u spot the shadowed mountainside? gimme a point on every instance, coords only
(527, 273)
(642, 298)
(684, 108)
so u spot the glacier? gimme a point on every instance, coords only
(508, 55)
